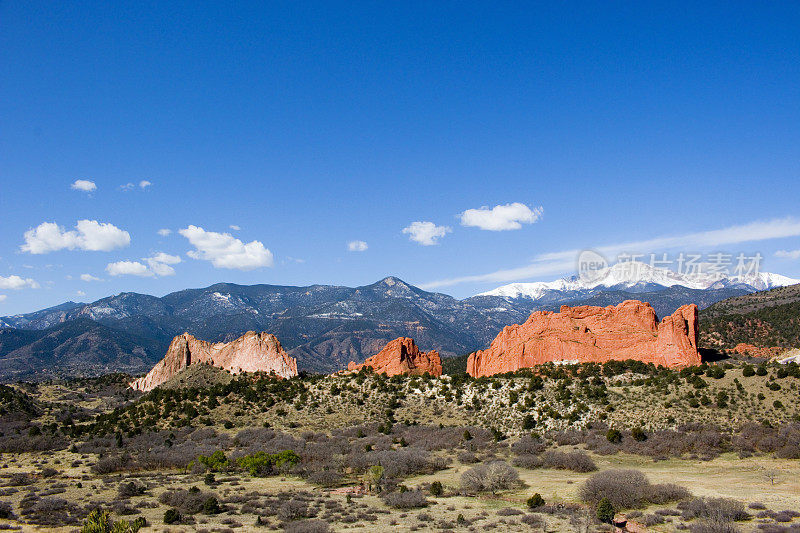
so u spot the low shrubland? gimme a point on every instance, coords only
(375, 435)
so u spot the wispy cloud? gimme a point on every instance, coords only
(131, 186)
(357, 246)
(164, 232)
(564, 261)
(788, 254)
(89, 278)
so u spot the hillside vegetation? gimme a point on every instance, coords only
(765, 319)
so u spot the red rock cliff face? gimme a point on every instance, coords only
(252, 352)
(582, 334)
(401, 356)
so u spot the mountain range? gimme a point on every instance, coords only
(322, 326)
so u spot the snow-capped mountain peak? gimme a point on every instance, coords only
(633, 274)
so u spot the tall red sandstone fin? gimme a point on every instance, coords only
(630, 330)
(402, 356)
(252, 352)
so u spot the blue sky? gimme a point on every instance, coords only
(312, 125)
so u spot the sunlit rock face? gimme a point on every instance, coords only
(630, 330)
(402, 356)
(252, 352)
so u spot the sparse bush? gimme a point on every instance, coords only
(509, 511)
(108, 465)
(20, 479)
(662, 493)
(490, 477)
(714, 509)
(294, 510)
(190, 501)
(530, 462)
(650, 520)
(534, 521)
(528, 446)
(577, 461)
(467, 458)
(130, 489)
(436, 489)
(628, 489)
(53, 512)
(307, 526)
(325, 478)
(410, 499)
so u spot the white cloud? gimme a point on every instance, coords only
(501, 217)
(3, 297)
(80, 293)
(129, 268)
(357, 246)
(83, 185)
(89, 235)
(15, 282)
(157, 264)
(562, 262)
(144, 184)
(426, 233)
(160, 263)
(165, 258)
(788, 254)
(164, 232)
(226, 251)
(88, 278)
(234, 227)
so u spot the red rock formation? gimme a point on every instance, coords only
(252, 352)
(401, 356)
(766, 352)
(629, 330)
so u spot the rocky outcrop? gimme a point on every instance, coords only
(750, 350)
(402, 356)
(586, 333)
(252, 352)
